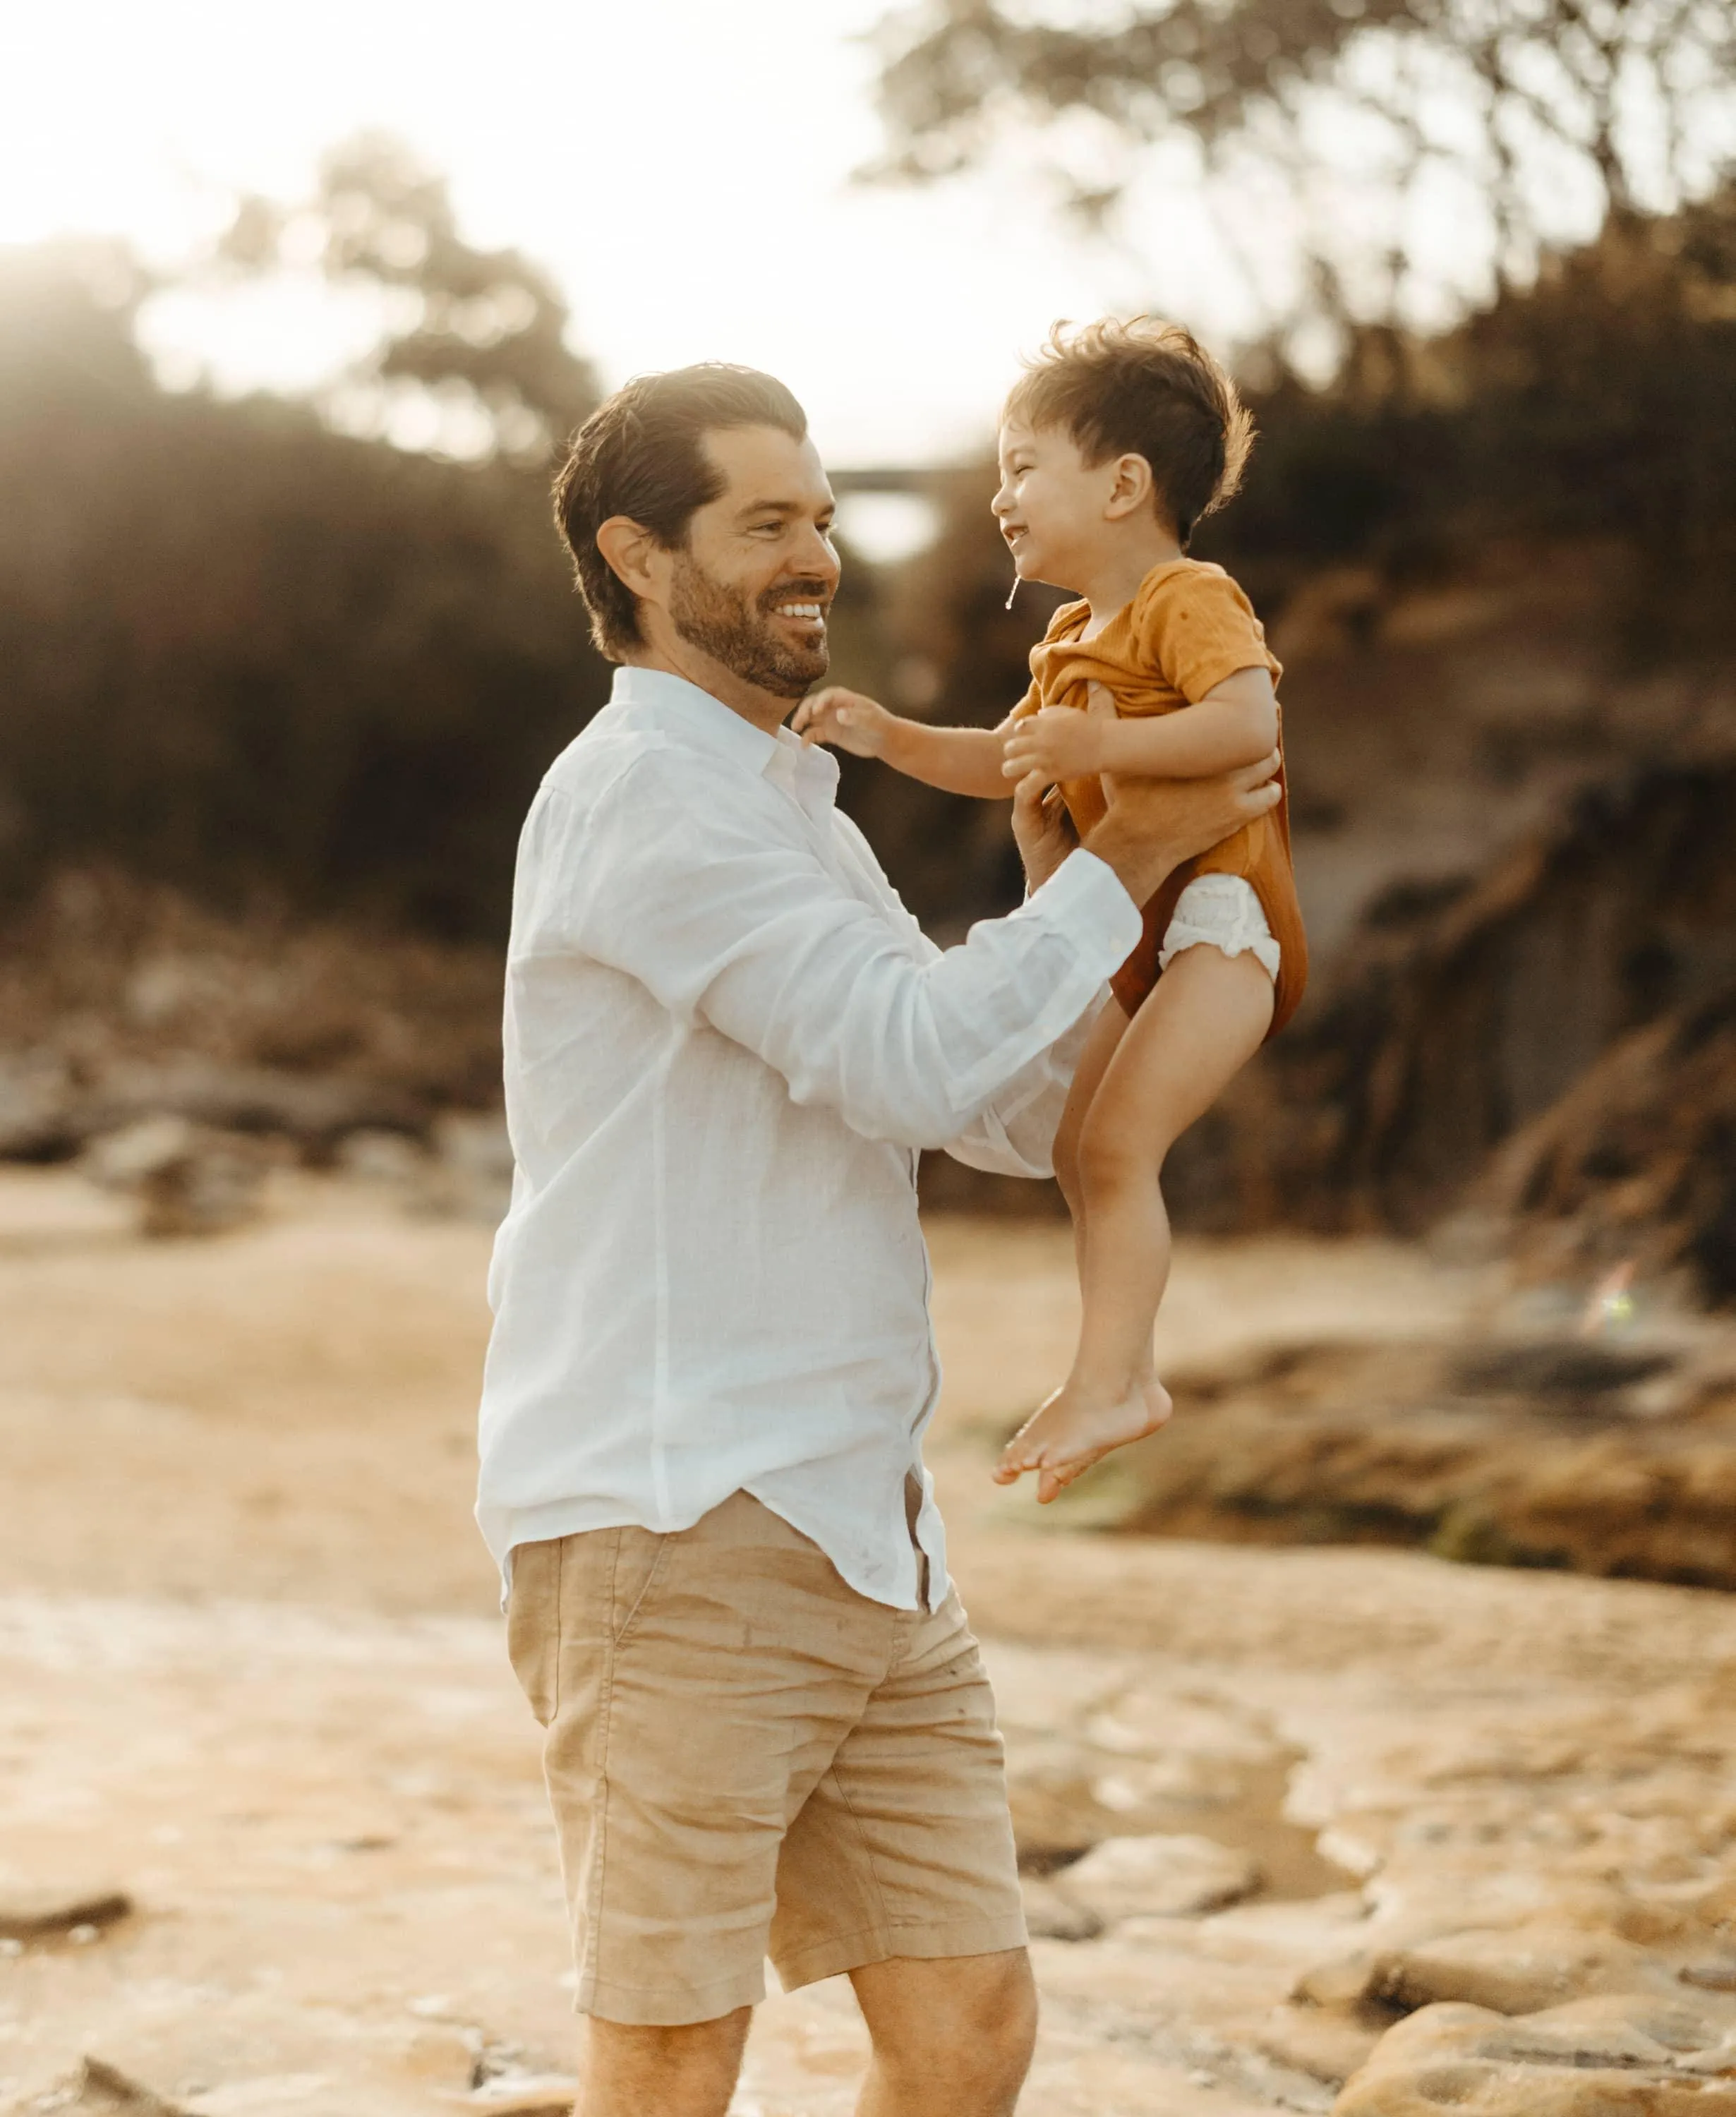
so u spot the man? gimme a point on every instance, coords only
(767, 1727)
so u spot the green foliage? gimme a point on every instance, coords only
(252, 657)
(264, 661)
(1516, 104)
(1600, 403)
(489, 321)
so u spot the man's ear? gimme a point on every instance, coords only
(1132, 488)
(629, 550)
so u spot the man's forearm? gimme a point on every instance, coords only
(1141, 863)
(1153, 825)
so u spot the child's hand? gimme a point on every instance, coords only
(845, 719)
(1058, 743)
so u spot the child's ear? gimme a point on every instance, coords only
(1131, 488)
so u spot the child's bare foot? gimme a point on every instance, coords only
(1074, 1429)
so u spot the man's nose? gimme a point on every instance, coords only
(816, 556)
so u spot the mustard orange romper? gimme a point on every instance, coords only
(1189, 627)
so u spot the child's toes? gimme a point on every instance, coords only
(1016, 1458)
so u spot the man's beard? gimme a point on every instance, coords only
(743, 636)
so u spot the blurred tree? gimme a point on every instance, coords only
(1595, 406)
(1522, 99)
(488, 325)
(1599, 403)
(251, 656)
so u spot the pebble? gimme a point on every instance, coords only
(1050, 1914)
(40, 1914)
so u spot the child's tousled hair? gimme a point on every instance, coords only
(1143, 388)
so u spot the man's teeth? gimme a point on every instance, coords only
(799, 610)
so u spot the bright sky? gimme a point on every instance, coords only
(682, 166)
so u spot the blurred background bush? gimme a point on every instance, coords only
(277, 691)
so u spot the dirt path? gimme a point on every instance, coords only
(250, 1674)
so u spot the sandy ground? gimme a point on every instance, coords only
(251, 1673)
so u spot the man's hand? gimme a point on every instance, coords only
(1059, 742)
(1041, 828)
(844, 719)
(1153, 825)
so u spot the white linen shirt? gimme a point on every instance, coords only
(726, 1041)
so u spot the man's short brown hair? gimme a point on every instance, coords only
(1146, 389)
(642, 453)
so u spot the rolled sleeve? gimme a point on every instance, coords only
(1014, 1136)
(730, 917)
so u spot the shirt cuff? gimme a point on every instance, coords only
(1085, 900)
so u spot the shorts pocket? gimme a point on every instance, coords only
(639, 1556)
(534, 1625)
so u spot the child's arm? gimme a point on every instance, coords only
(957, 760)
(1235, 723)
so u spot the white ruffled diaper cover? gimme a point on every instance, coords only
(1220, 912)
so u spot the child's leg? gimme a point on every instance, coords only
(1100, 1044)
(1205, 1020)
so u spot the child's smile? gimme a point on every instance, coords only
(1050, 504)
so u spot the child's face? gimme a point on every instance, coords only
(1052, 506)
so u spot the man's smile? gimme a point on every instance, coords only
(805, 615)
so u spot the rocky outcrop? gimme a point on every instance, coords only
(1630, 2056)
(120, 1002)
(1613, 1456)
(1463, 1011)
(1633, 1172)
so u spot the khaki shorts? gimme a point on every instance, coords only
(745, 1757)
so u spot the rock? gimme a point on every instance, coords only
(1627, 2057)
(1154, 1791)
(546, 2095)
(1517, 1971)
(1054, 1816)
(1575, 1370)
(43, 1914)
(1619, 1461)
(1163, 1727)
(187, 1181)
(1458, 1016)
(391, 1159)
(470, 1176)
(1632, 1163)
(1411, 1908)
(1033, 1696)
(1326, 2043)
(1178, 1877)
(1052, 1915)
(316, 1111)
(36, 1111)
(101, 2090)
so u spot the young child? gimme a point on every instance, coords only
(1113, 443)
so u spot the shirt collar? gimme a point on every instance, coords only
(807, 773)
